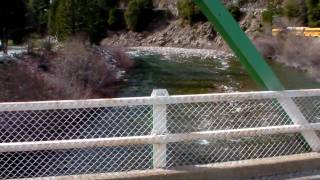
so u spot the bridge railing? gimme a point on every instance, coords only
(59, 138)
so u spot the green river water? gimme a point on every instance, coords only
(179, 76)
(195, 76)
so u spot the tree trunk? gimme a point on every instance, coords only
(5, 47)
(1, 40)
(5, 40)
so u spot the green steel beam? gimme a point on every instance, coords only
(238, 41)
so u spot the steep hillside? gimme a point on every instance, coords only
(174, 33)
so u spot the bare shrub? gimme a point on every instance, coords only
(79, 73)
(301, 52)
(120, 56)
(292, 50)
(76, 71)
(267, 46)
(20, 83)
(47, 45)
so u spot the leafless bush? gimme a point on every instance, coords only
(301, 52)
(76, 71)
(292, 50)
(267, 45)
(79, 73)
(47, 45)
(20, 83)
(120, 56)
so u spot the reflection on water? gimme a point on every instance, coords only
(196, 76)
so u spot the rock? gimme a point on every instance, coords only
(181, 52)
(173, 33)
(177, 41)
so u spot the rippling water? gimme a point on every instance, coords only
(179, 76)
(195, 76)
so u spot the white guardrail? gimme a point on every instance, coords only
(59, 138)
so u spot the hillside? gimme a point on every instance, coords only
(173, 32)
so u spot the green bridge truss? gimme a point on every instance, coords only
(238, 41)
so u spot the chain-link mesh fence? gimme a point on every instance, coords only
(128, 118)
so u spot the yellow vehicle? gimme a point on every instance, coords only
(298, 31)
(276, 32)
(312, 32)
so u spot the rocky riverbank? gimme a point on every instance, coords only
(174, 33)
(170, 52)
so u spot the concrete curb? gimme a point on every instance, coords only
(230, 170)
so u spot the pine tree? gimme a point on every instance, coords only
(39, 12)
(291, 9)
(138, 14)
(12, 21)
(313, 12)
(69, 17)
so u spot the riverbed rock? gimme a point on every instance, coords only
(181, 52)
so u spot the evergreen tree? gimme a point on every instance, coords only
(313, 7)
(63, 19)
(39, 13)
(138, 14)
(273, 9)
(12, 21)
(113, 19)
(291, 9)
(189, 11)
(52, 20)
(68, 17)
(295, 10)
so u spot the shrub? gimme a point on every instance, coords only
(138, 14)
(61, 20)
(52, 18)
(189, 11)
(20, 83)
(113, 19)
(116, 20)
(294, 9)
(70, 17)
(76, 71)
(235, 12)
(274, 6)
(185, 8)
(121, 57)
(47, 45)
(313, 12)
(243, 2)
(267, 17)
(79, 72)
(30, 46)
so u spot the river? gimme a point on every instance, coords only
(196, 76)
(14, 50)
(179, 76)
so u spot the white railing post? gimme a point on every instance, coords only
(159, 128)
(298, 118)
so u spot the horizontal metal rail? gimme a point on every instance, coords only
(154, 139)
(53, 138)
(96, 103)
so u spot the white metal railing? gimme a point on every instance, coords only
(58, 138)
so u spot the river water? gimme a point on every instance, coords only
(195, 76)
(13, 50)
(179, 76)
